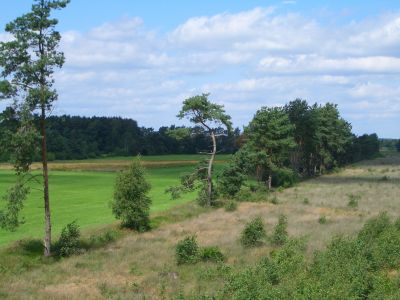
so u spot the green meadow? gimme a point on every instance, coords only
(84, 196)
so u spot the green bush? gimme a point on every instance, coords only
(230, 181)
(253, 233)
(187, 251)
(131, 203)
(280, 232)
(69, 244)
(213, 254)
(361, 267)
(284, 177)
(322, 220)
(353, 200)
(231, 205)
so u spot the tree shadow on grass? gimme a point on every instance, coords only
(28, 247)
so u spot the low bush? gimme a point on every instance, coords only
(231, 205)
(353, 200)
(187, 251)
(284, 177)
(253, 233)
(322, 220)
(361, 267)
(280, 234)
(212, 253)
(68, 243)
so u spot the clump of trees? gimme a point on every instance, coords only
(298, 139)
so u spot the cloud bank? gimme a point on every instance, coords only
(245, 60)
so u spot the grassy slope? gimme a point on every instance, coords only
(138, 265)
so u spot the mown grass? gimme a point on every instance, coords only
(143, 265)
(85, 196)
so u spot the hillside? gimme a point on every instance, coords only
(143, 265)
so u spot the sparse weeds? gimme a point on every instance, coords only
(353, 200)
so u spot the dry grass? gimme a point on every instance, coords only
(144, 265)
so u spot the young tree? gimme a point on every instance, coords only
(28, 62)
(200, 111)
(131, 203)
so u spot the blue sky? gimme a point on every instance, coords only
(141, 59)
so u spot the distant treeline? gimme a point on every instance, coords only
(74, 137)
(319, 132)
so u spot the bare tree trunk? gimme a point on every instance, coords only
(269, 182)
(210, 163)
(47, 237)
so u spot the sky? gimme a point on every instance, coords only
(141, 59)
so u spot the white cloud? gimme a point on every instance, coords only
(246, 60)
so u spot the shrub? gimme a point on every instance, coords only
(306, 201)
(280, 232)
(213, 254)
(187, 251)
(231, 205)
(322, 220)
(284, 177)
(230, 181)
(243, 195)
(353, 200)
(253, 233)
(274, 200)
(68, 244)
(131, 203)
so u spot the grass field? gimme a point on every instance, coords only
(121, 162)
(143, 265)
(85, 195)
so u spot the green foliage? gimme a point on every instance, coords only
(187, 251)
(271, 278)
(271, 133)
(363, 267)
(353, 200)
(69, 244)
(231, 205)
(253, 233)
(322, 220)
(280, 234)
(284, 177)
(230, 181)
(199, 110)
(212, 253)
(131, 203)
(15, 198)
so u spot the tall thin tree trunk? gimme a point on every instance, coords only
(210, 163)
(47, 229)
